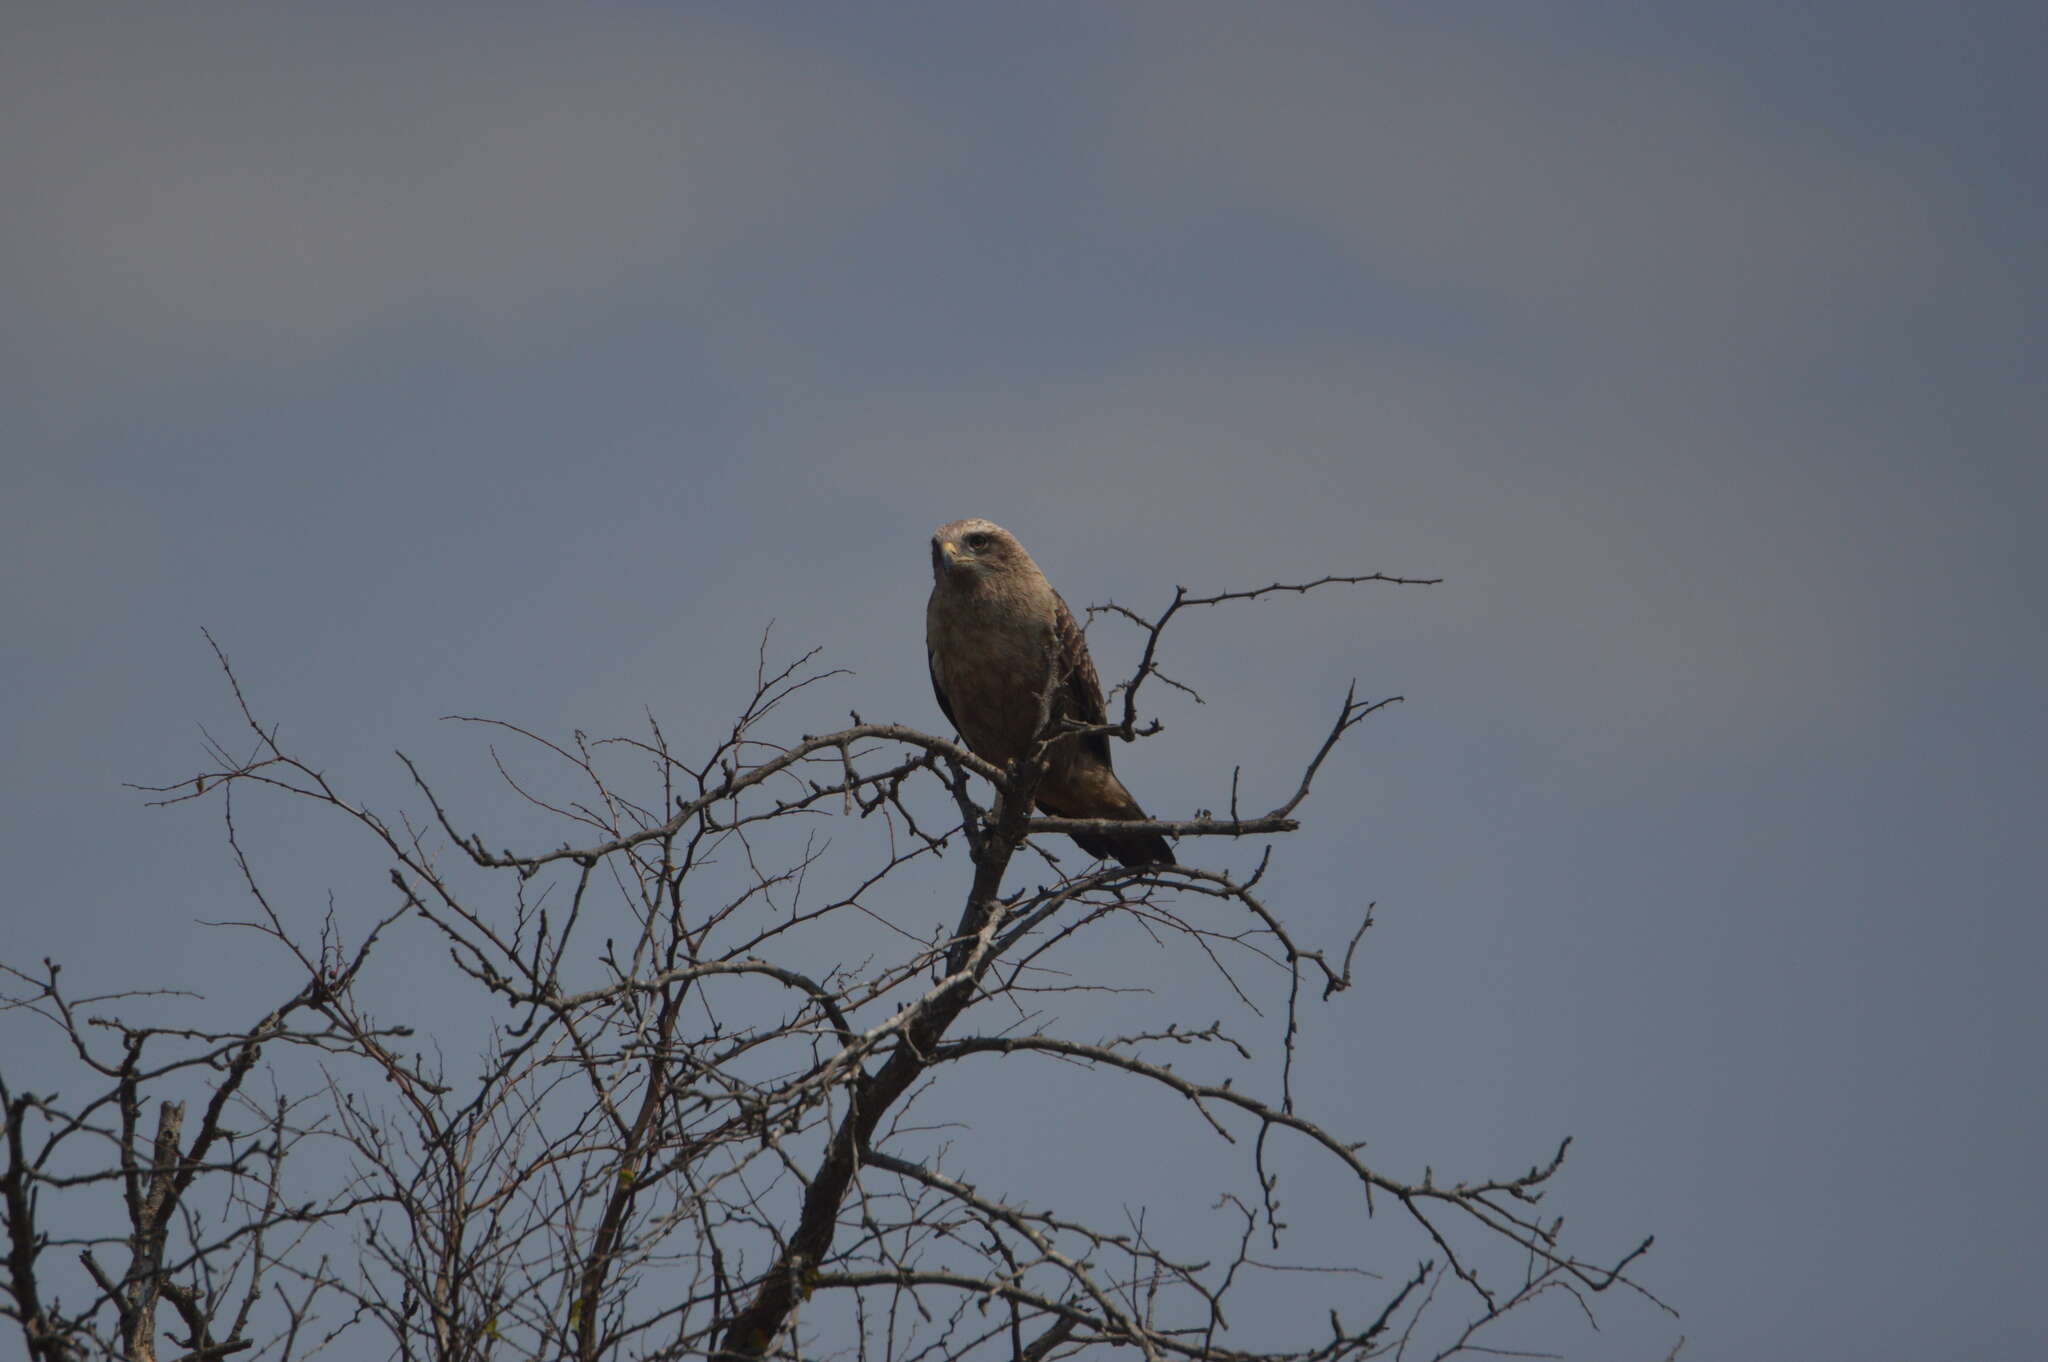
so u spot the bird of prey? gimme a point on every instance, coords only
(992, 628)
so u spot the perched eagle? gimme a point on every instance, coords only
(991, 626)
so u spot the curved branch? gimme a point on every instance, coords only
(1471, 1198)
(1147, 663)
(735, 783)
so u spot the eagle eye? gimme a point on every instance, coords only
(977, 540)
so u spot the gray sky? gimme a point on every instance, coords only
(528, 360)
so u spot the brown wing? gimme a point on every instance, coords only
(931, 662)
(1102, 795)
(1080, 688)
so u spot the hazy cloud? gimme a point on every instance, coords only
(201, 187)
(1636, 204)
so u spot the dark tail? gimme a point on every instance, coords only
(1129, 848)
(1137, 848)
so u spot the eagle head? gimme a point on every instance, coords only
(966, 551)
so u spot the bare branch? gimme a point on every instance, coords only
(700, 1109)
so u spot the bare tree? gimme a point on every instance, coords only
(682, 1136)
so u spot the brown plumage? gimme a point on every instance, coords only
(991, 625)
